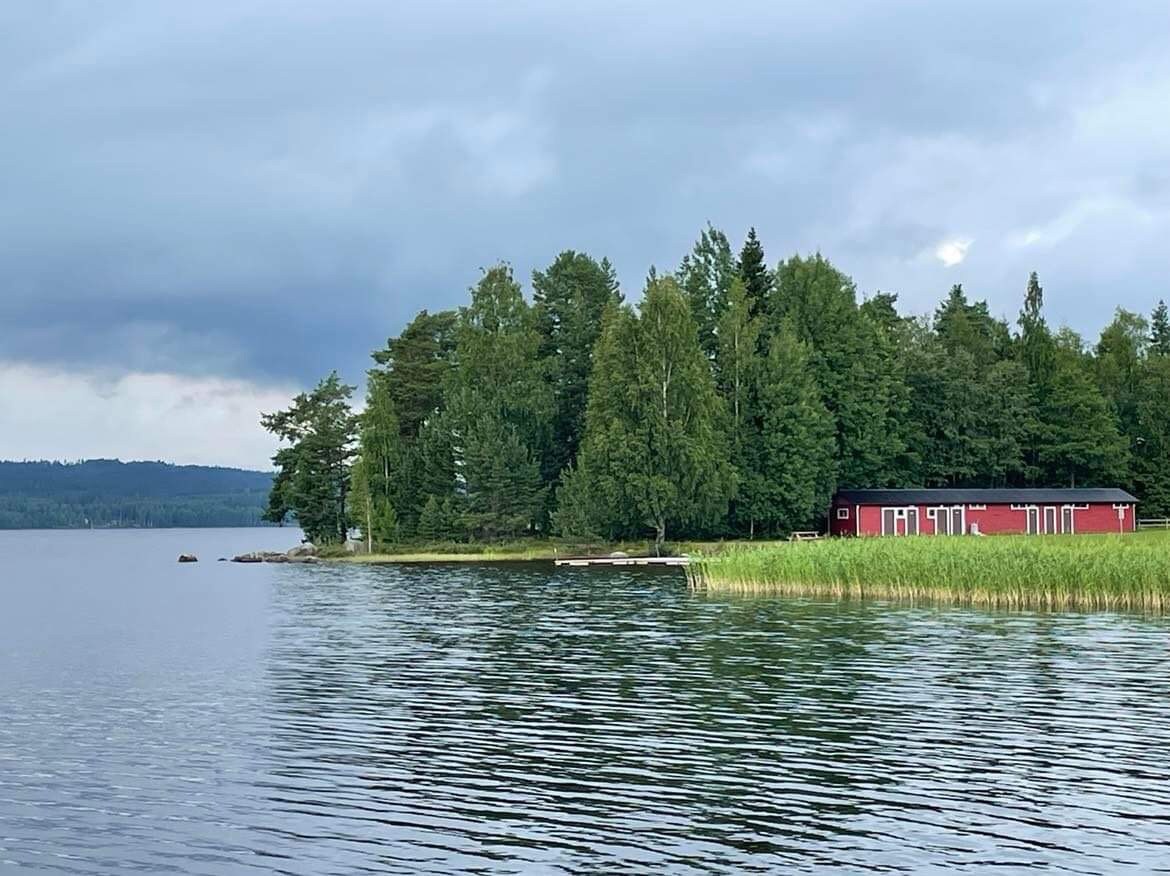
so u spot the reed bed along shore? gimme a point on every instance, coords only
(1128, 572)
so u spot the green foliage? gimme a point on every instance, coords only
(790, 476)
(569, 299)
(499, 409)
(705, 277)
(1078, 441)
(377, 476)
(654, 454)
(753, 272)
(437, 520)
(732, 401)
(313, 470)
(1151, 438)
(855, 363)
(1160, 331)
(416, 365)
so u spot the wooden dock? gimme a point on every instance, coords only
(623, 561)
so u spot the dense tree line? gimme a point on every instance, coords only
(731, 401)
(107, 493)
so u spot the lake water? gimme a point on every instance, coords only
(220, 719)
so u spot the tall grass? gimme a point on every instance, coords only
(1124, 572)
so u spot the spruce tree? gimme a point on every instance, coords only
(753, 271)
(498, 402)
(856, 365)
(1160, 331)
(792, 473)
(653, 454)
(412, 373)
(1151, 442)
(1078, 440)
(705, 276)
(433, 524)
(737, 368)
(569, 298)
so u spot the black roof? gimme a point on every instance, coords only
(982, 497)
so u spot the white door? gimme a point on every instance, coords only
(958, 526)
(1050, 519)
(942, 521)
(1066, 519)
(889, 522)
(1033, 520)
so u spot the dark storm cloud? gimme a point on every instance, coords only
(266, 190)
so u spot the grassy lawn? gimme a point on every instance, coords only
(533, 549)
(1130, 571)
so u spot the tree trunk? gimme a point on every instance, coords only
(659, 536)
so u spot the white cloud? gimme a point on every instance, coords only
(952, 252)
(49, 414)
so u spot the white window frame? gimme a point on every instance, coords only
(843, 512)
(1021, 507)
(976, 507)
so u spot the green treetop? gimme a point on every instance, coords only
(569, 298)
(753, 271)
(313, 470)
(705, 276)
(654, 453)
(1160, 331)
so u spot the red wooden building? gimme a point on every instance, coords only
(956, 512)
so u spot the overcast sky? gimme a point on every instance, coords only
(206, 206)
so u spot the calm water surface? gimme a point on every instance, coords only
(221, 719)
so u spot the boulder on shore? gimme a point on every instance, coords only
(188, 558)
(308, 549)
(274, 557)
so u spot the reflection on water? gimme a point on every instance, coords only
(521, 719)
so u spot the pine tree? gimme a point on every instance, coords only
(413, 371)
(1151, 463)
(313, 477)
(753, 271)
(416, 364)
(569, 298)
(653, 453)
(855, 363)
(962, 325)
(705, 276)
(498, 402)
(737, 368)
(789, 484)
(1160, 331)
(1079, 444)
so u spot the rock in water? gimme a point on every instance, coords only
(188, 558)
(308, 549)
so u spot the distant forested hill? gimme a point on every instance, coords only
(109, 493)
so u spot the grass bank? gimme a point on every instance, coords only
(526, 550)
(1091, 572)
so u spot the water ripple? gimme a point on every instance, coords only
(518, 719)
